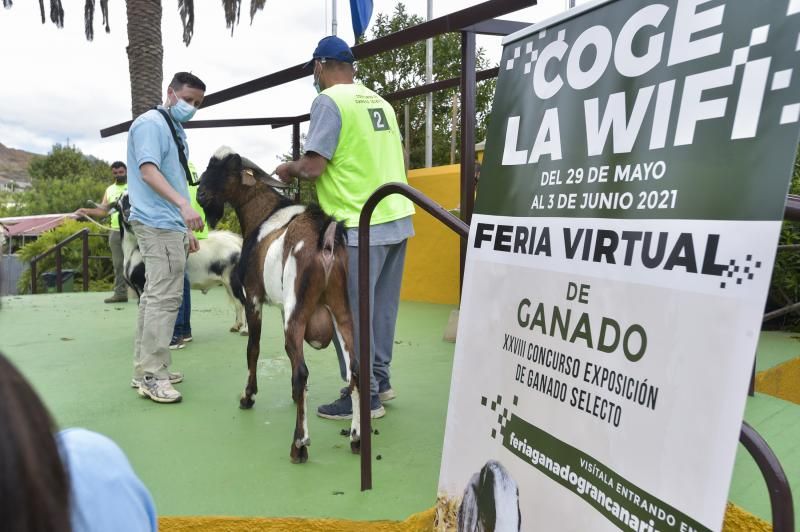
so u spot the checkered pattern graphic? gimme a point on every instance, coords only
(738, 272)
(790, 113)
(531, 54)
(503, 415)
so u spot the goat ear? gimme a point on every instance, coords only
(261, 175)
(248, 177)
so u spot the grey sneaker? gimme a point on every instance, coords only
(159, 390)
(174, 378)
(385, 392)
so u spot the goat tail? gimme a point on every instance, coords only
(328, 243)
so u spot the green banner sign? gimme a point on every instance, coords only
(641, 109)
(621, 502)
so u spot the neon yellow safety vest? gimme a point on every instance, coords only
(201, 235)
(369, 154)
(113, 192)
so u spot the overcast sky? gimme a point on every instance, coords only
(57, 86)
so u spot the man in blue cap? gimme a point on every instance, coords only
(352, 148)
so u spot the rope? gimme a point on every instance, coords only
(98, 224)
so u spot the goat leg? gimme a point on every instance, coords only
(247, 400)
(355, 424)
(294, 349)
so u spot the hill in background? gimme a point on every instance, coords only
(14, 164)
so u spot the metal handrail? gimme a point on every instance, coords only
(83, 234)
(364, 368)
(779, 490)
(780, 493)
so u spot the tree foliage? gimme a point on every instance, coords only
(404, 68)
(785, 285)
(63, 180)
(232, 9)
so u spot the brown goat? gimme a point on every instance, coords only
(294, 257)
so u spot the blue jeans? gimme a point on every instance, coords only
(183, 324)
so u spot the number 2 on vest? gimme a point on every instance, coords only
(378, 118)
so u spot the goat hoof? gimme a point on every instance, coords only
(244, 333)
(302, 442)
(246, 403)
(298, 455)
(235, 328)
(355, 447)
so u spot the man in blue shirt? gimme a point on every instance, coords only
(163, 219)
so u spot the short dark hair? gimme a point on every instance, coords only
(182, 79)
(333, 64)
(118, 164)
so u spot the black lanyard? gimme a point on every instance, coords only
(179, 145)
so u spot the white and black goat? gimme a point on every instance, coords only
(294, 257)
(491, 502)
(210, 266)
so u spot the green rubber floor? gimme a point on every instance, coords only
(205, 456)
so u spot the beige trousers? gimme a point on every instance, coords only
(164, 253)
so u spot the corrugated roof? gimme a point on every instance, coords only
(32, 225)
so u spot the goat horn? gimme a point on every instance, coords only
(262, 175)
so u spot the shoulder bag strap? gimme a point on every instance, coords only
(179, 145)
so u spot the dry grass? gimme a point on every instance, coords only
(446, 516)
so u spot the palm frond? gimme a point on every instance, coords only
(57, 13)
(256, 5)
(104, 11)
(232, 10)
(88, 19)
(186, 9)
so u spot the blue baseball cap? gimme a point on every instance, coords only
(332, 47)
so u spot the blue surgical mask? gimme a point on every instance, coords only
(182, 111)
(316, 82)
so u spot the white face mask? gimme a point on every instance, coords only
(316, 81)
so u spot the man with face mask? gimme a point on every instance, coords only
(353, 147)
(112, 194)
(163, 219)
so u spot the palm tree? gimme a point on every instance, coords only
(145, 49)
(145, 53)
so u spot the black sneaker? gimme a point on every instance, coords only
(176, 343)
(342, 408)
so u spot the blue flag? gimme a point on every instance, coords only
(361, 12)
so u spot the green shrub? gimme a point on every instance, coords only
(229, 221)
(785, 285)
(101, 272)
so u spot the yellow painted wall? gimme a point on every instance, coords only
(781, 381)
(431, 269)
